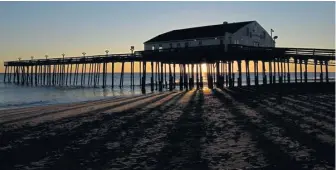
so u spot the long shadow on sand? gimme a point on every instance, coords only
(276, 157)
(117, 141)
(183, 147)
(270, 101)
(51, 142)
(323, 152)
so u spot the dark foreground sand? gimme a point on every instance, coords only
(240, 128)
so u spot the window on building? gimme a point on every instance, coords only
(153, 47)
(199, 42)
(186, 44)
(264, 34)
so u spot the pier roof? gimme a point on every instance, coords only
(199, 32)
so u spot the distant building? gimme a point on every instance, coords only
(248, 33)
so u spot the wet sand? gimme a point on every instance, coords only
(278, 127)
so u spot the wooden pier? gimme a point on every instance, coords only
(89, 70)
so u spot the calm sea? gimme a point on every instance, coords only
(14, 96)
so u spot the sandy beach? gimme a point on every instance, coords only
(288, 127)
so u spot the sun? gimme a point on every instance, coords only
(204, 68)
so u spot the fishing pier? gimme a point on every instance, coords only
(87, 71)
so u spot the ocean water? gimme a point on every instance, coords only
(14, 96)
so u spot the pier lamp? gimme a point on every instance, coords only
(46, 56)
(19, 58)
(63, 55)
(132, 49)
(32, 57)
(84, 54)
(107, 51)
(274, 38)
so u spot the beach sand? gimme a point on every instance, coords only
(266, 127)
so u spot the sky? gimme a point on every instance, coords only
(52, 28)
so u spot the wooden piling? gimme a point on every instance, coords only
(321, 73)
(174, 80)
(247, 65)
(4, 79)
(327, 73)
(315, 65)
(112, 74)
(121, 75)
(161, 77)
(295, 69)
(143, 83)
(306, 71)
(256, 79)
(288, 72)
(156, 75)
(300, 70)
(264, 73)
(170, 78)
(152, 76)
(181, 77)
(140, 72)
(239, 73)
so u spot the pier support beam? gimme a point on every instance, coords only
(288, 72)
(321, 74)
(306, 71)
(256, 72)
(295, 69)
(270, 71)
(143, 83)
(327, 73)
(230, 74)
(248, 80)
(315, 65)
(152, 76)
(274, 72)
(161, 77)
(264, 73)
(104, 74)
(300, 70)
(239, 73)
(112, 75)
(4, 79)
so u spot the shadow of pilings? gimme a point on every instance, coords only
(292, 117)
(274, 153)
(313, 110)
(323, 152)
(9, 134)
(134, 128)
(258, 99)
(323, 101)
(24, 152)
(183, 147)
(285, 100)
(12, 112)
(304, 88)
(55, 112)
